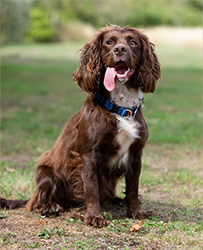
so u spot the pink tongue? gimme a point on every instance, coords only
(109, 78)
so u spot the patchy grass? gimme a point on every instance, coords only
(39, 97)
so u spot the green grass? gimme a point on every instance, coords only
(22, 173)
(174, 112)
(39, 97)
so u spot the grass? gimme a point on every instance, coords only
(179, 110)
(39, 97)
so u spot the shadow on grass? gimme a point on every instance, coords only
(162, 212)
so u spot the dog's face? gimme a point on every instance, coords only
(121, 50)
(124, 52)
(121, 55)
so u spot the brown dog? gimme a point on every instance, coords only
(105, 140)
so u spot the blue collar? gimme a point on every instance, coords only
(124, 112)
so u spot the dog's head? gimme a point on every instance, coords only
(118, 54)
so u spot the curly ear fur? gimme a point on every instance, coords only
(89, 71)
(149, 71)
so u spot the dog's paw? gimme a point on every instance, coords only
(95, 221)
(51, 209)
(141, 214)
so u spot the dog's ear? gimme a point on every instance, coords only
(149, 71)
(88, 72)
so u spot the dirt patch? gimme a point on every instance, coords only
(174, 158)
(23, 230)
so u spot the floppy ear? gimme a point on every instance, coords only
(149, 71)
(89, 70)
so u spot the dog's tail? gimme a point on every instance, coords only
(12, 204)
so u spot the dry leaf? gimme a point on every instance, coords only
(136, 226)
(82, 217)
(11, 170)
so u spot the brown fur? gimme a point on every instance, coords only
(76, 170)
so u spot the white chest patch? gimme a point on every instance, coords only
(128, 131)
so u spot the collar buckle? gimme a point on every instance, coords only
(129, 113)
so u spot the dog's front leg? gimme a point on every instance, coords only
(93, 214)
(132, 186)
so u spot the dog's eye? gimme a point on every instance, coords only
(133, 43)
(109, 42)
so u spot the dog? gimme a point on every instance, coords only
(105, 140)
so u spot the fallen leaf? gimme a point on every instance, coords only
(11, 170)
(82, 217)
(41, 221)
(136, 226)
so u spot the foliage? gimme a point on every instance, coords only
(14, 21)
(46, 233)
(45, 21)
(41, 28)
(139, 13)
(164, 13)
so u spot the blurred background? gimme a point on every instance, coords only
(39, 44)
(39, 53)
(56, 21)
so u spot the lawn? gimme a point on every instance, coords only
(39, 97)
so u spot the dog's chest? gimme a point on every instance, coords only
(128, 128)
(128, 131)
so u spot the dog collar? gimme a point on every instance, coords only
(124, 112)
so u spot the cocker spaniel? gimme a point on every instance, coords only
(105, 140)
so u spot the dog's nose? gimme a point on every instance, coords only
(120, 49)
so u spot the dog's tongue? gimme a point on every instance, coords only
(109, 79)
